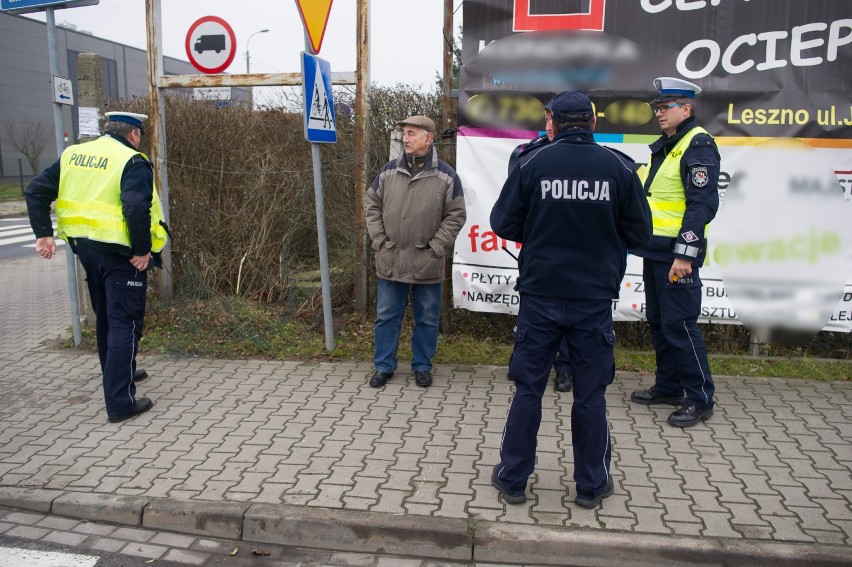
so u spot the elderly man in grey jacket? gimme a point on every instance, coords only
(415, 209)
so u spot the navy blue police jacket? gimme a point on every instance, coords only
(576, 207)
(702, 201)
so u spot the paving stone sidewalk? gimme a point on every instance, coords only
(773, 465)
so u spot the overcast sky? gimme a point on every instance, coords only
(406, 35)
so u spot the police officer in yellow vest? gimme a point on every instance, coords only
(109, 213)
(680, 182)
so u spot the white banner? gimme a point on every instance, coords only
(484, 274)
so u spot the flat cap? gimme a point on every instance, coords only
(570, 105)
(419, 121)
(669, 88)
(129, 117)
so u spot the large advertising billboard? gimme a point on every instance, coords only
(769, 69)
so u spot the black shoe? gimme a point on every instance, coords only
(423, 378)
(141, 405)
(588, 502)
(651, 396)
(380, 378)
(689, 415)
(140, 376)
(564, 382)
(517, 497)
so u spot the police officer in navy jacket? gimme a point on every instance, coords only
(576, 207)
(563, 381)
(680, 182)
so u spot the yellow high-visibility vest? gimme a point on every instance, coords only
(89, 201)
(668, 198)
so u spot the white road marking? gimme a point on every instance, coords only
(14, 557)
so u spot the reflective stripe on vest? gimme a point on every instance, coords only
(668, 198)
(89, 201)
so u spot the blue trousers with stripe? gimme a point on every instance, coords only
(672, 310)
(542, 324)
(117, 291)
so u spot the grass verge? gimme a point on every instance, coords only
(10, 192)
(236, 328)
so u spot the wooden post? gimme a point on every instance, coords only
(156, 129)
(362, 152)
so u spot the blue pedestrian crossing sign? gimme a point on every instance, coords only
(319, 102)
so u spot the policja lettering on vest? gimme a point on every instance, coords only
(574, 189)
(88, 161)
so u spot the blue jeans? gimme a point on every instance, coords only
(391, 300)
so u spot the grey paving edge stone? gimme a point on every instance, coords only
(125, 510)
(365, 532)
(502, 543)
(213, 519)
(33, 499)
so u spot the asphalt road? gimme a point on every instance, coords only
(16, 238)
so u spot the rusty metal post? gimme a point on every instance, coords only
(157, 131)
(362, 154)
(90, 94)
(446, 117)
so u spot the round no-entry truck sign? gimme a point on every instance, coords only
(211, 45)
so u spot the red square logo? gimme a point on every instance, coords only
(591, 20)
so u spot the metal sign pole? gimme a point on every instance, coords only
(59, 127)
(323, 246)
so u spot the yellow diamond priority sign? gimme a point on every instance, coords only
(315, 17)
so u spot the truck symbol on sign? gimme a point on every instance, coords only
(210, 42)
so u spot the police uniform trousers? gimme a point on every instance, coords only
(672, 310)
(117, 291)
(587, 327)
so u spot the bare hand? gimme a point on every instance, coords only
(46, 247)
(679, 269)
(141, 262)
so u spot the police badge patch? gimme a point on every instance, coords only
(699, 176)
(689, 236)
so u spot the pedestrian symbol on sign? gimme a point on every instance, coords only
(320, 116)
(318, 99)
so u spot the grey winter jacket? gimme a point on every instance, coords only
(413, 221)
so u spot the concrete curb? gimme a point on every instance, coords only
(421, 536)
(521, 544)
(365, 532)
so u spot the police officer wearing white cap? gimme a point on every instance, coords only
(109, 213)
(680, 182)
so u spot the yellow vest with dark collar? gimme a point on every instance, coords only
(668, 198)
(89, 201)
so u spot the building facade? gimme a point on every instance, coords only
(26, 89)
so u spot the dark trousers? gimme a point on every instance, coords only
(542, 324)
(117, 291)
(672, 310)
(561, 363)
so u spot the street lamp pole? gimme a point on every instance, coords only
(248, 69)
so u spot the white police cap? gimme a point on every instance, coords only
(669, 88)
(129, 117)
